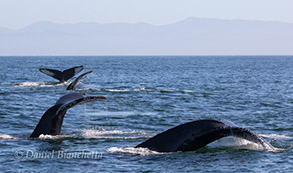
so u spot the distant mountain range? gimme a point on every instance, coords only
(192, 36)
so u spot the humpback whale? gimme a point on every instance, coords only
(72, 85)
(51, 121)
(62, 76)
(196, 134)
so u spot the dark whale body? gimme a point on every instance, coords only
(196, 134)
(62, 76)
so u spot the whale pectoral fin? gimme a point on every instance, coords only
(69, 73)
(72, 85)
(53, 73)
(51, 121)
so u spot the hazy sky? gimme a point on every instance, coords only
(15, 14)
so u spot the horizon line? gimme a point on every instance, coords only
(141, 55)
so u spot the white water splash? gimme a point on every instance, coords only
(134, 151)
(100, 134)
(55, 136)
(112, 134)
(4, 136)
(40, 84)
(236, 142)
(242, 144)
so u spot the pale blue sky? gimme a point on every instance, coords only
(16, 14)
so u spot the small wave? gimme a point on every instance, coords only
(134, 151)
(137, 90)
(188, 91)
(167, 91)
(88, 89)
(143, 89)
(118, 90)
(177, 91)
(4, 136)
(128, 90)
(276, 136)
(115, 113)
(147, 90)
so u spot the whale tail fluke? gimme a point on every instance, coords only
(196, 134)
(72, 85)
(51, 121)
(62, 75)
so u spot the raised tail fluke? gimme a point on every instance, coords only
(51, 121)
(62, 76)
(72, 85)
(196, 134)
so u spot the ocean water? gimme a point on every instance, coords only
(147, 95)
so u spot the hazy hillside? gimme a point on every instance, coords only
(192, 36)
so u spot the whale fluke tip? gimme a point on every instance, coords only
(62, 76)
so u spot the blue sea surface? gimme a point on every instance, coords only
(147, 95)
